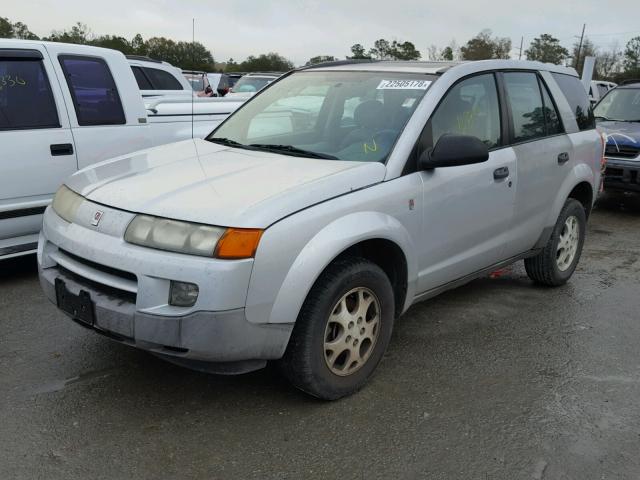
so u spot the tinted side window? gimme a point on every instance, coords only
(470, 108)
(26, 100)
(551, 116)
(577, 98)
(143, 81)
(94, 93)
(162, 80)
(527, 111)
(602, 89)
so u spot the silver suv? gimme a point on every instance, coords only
(322, 209)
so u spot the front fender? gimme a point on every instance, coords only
(313, 257)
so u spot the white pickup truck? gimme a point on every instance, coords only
(64, 107)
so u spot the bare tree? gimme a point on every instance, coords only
(608, 62)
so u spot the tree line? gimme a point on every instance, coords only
(613, 63)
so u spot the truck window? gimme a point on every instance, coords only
(551, 115)
(576, 95)
(470, 108)
(523, 93)
(141, 79)
(93, 90)
(162, 80)
(26, 100)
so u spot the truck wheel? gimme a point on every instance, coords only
(342, 331)
(559, 258)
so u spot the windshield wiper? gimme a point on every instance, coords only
(291, 150)
(227, 142)
(602, 117)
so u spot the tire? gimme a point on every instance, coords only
(323, 369)
(554, 265)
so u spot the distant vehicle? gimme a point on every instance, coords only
(384, 184)
(251, 83)
(618, 116)
(156, 78)
(64, 107)
(234, 77)
(208, 84)
(599, 89)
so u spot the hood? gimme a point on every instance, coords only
(620, 135)
(203, 182)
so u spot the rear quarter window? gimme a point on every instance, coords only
(162, 80)
(578, 100)
(93, 90)
(26, 100)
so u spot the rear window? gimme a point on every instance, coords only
(26, 100)
(578, 100)
(162, 80)
(141, 79)
(93, 90)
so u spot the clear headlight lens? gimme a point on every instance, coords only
(66, 203)
(173, 235)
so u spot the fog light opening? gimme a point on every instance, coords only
(183, 294)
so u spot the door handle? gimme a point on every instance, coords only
(61, 149)
(563, 158)
(500, 173)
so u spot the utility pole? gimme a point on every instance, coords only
(521, 42)
(580, 46)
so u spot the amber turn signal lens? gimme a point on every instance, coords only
(238, 243)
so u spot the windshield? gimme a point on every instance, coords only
(620, 104)
(340, 115)
(251, 84)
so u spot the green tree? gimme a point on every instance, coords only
(138, 45)
(358, 52)
(447, 53)
(116, 43)
(588, 49)
(270, 62)
(15, 30)
(404, 51)
(546, 48)
(321, 59)
(79, 33)
(632, 56)
(483, 47)
(381, 50)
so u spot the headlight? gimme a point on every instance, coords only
(192, 238)
(66, 203)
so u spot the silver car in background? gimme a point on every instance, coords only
(322, 209)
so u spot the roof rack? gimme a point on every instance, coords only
(337, 63)
(629, 81)
(143, 58)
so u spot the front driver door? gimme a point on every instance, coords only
(467, 210)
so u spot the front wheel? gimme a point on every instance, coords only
(559, 258)
(342, 331)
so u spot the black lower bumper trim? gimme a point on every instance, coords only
(27, 247)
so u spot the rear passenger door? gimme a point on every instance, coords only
(543, 150)
(35, 137)
(467, 209)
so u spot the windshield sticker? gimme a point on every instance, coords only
(404, 85)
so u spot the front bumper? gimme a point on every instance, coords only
(129, 287)
(622, 175)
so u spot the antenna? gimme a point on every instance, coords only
(193, 61)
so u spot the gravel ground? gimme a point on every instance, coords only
(498, 379)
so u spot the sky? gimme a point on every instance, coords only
(301, 29)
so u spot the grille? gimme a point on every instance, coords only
(102, 268)
(622, 151)
(99, 287)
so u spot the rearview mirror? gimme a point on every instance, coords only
(454, 150)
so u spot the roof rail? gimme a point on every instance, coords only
(143, 58)
(629, 81)
(337, 63)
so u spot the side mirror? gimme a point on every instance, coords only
(454, 150)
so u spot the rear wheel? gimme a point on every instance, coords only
(559, 258)
(342, 331)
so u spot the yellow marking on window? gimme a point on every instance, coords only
(368, 148)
